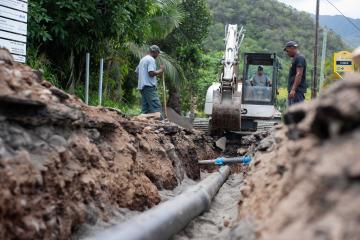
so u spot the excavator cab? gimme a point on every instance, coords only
(259, 90)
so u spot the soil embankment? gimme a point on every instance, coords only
(305, 178)
(63, 164)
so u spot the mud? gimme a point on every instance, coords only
(64, 164)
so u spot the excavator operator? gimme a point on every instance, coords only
(260, 79)
(260, 86)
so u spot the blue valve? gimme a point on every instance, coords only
(246, 160)
(219, 161)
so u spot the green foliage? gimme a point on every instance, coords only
(168, 15)
(184, 45)
(63, 31)
(208, 74)
(86, 24)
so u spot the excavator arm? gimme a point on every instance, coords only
(226, 112)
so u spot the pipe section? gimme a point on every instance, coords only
(170, 217)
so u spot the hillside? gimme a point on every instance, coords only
(342, 27)
(269, 24)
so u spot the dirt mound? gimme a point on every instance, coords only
(305, 182)
(63, 163)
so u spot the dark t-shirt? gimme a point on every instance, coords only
(298, 61)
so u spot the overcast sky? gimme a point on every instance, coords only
(350, 8)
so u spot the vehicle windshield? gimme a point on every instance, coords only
(258, 84)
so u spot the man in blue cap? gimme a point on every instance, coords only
(147, 81)
(297, 74)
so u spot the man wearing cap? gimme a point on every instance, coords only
(260, 78)
(297, 74)
(147, 82)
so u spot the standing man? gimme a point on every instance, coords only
(297, 74)
(147, 82)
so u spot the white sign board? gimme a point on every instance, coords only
(15, 4)
(19, 58)
(12, 36)
(13, 46)
(13, 27)
(13, 14)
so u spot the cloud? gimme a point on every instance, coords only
(348, 7)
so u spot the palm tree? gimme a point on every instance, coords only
(167, 16)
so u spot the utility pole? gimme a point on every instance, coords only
(323, 58)
(316, 47)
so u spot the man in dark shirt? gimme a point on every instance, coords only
(297, 74)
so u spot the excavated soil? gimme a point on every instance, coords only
(304, 182)
(64, 164)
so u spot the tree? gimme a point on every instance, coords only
(65, 30)
(184, 44)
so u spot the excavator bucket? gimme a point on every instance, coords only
(226, 114)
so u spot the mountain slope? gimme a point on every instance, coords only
(341, 26)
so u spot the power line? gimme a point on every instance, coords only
(348, 19)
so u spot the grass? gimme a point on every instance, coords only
(128, 109)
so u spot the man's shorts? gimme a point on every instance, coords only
(150, 100)
(299, 97)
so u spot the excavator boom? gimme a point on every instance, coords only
(226, 108)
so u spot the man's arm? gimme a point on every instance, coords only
(297, 81)
(268, 81)
(158, 72)
(252, 81)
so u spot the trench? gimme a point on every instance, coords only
(213, 224)
(216, 223)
